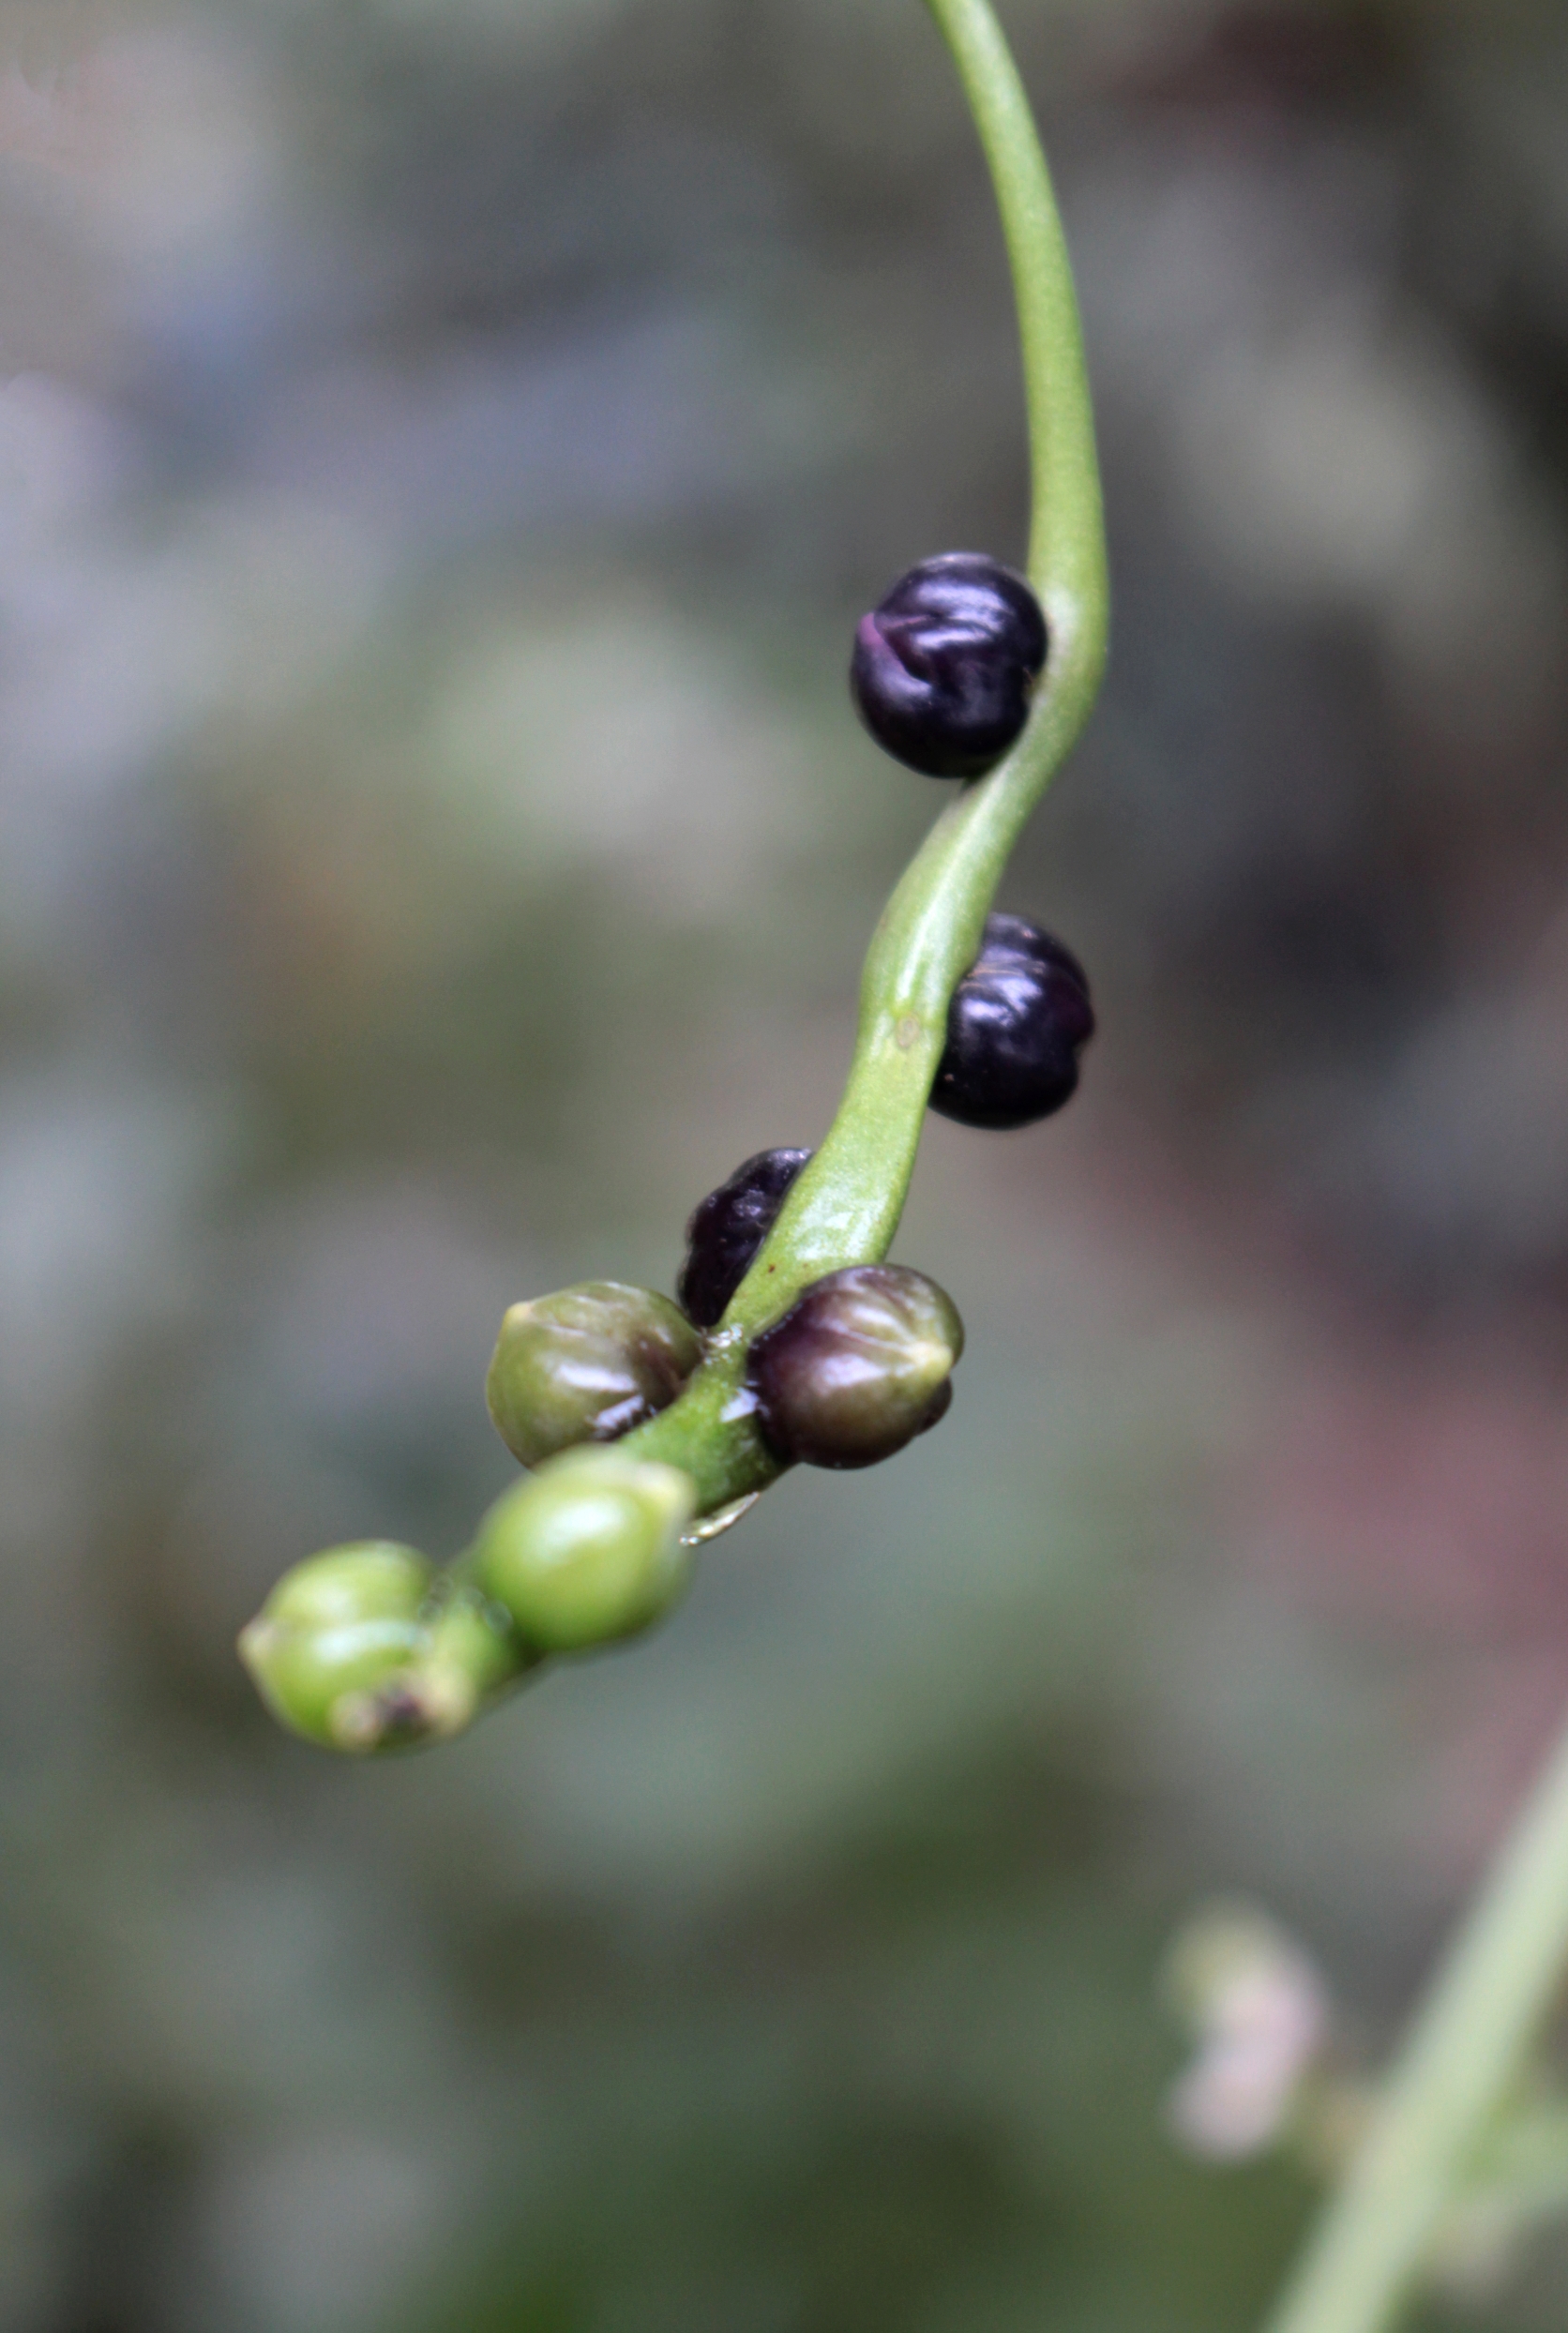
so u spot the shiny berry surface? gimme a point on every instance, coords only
(586, 1365)
(944, 670)
(587, 1551)
(335, 1630)
(858, 1366)
(727, 1228)
(1018, 1020)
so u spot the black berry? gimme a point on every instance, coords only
(943, 671)
(1017, 1021)
(859, 1365)
(727, 1228)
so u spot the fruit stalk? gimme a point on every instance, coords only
(498, 1618)
(844, 1207)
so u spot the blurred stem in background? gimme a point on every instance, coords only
(1467, 2050)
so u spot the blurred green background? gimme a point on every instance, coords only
(445, 448)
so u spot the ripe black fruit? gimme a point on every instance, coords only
(1017, 1021)
(860, 1364)
(944, 668)
(727, 1228)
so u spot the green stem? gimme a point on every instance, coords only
(1466, 2050)
(845, 1208)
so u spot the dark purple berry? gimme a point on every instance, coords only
(1014, 1028)
(859, 1365)
(727, 1228)
(943, 671)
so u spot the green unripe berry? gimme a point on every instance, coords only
(334, 1633)
(586, 1365)
(589, 1550)
(470, 1654)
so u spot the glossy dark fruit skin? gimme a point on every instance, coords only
(586, 1365)
(1018, 1020)
(944, 670)
(727, 1228)
(859, 1365)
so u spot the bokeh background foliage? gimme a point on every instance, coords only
(444, 451)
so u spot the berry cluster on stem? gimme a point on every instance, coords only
(648, 1426)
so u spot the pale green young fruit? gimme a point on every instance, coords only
(333, 1634)
(586, 1365)
(588, 1550)
(471, 1654)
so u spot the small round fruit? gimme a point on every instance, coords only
(1019, 1018)
(336, 1629)
(470, 1655)
(586, 1365)
(944, 670)
(860, 1364)
(588, 1550)
(727, 1228)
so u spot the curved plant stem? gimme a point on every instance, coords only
(845, 1208)
(1465, 2053)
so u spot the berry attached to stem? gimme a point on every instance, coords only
(857, 1367)
(588, 1550)
(335, 1630)
(1018, 1020)
(727, 1228)
(944, 670)
(586, 1365)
